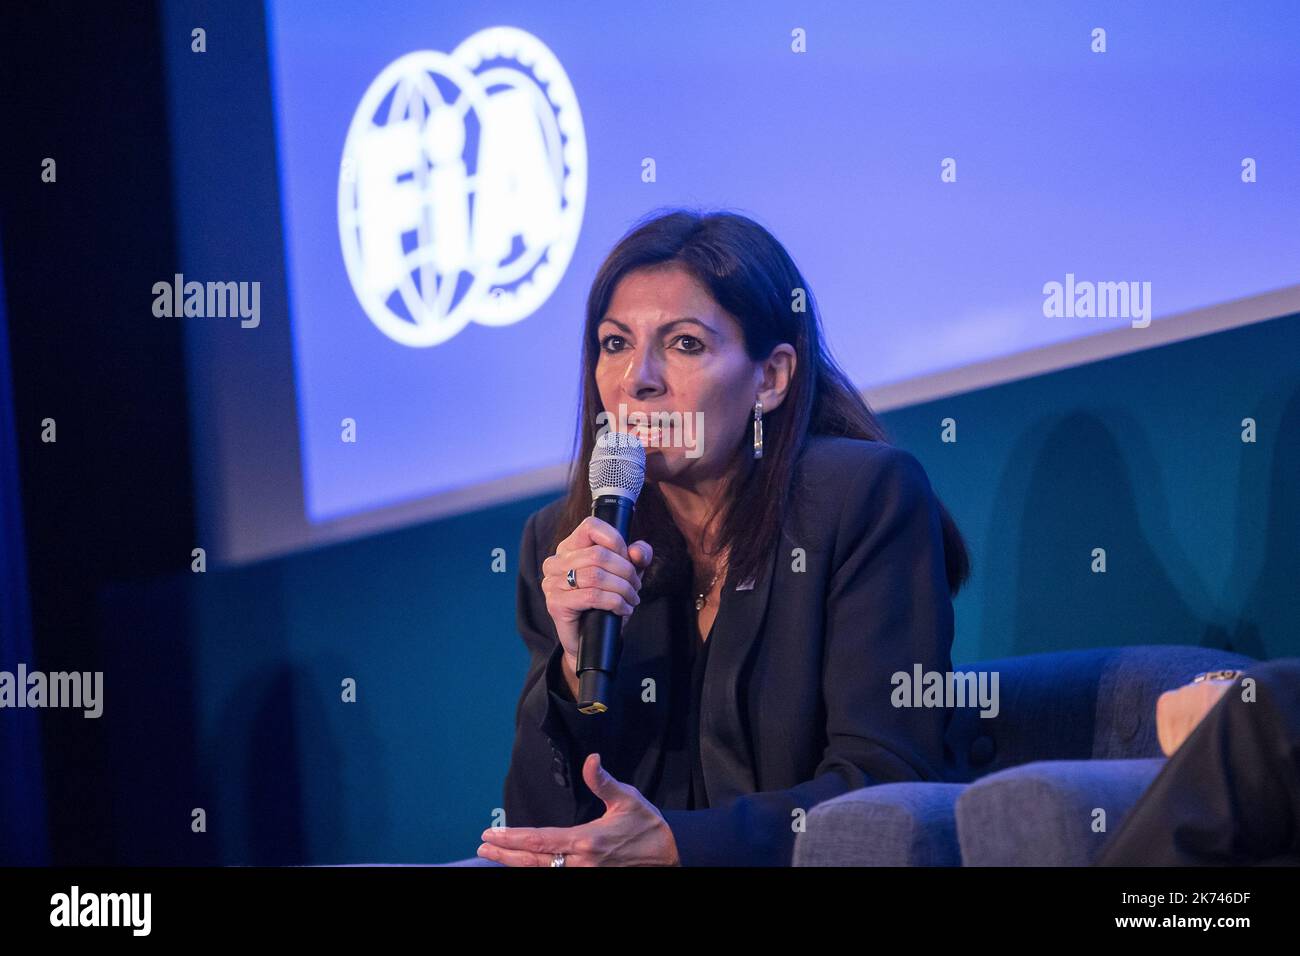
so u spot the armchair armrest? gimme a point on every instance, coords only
(1044, 813)
(889, 824)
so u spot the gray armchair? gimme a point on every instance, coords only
(1071, 749)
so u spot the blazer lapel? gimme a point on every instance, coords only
(725, 755)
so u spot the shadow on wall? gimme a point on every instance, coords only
(1086, 481)
(1268, 539)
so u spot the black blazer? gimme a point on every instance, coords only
(796, 704)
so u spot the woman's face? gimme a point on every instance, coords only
(667, 347)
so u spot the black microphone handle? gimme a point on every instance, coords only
(601, 631)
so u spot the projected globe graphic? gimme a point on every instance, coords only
(461, 187)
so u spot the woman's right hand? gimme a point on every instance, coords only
(608, 573)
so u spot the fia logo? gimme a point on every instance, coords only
(462, 187)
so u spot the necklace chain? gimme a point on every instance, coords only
(702, 597)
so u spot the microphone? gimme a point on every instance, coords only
(616, 474)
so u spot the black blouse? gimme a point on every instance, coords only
(681, 782)
(697, 656)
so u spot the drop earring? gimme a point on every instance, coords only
(758, 429)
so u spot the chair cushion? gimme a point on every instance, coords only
(1047, 813)
(890, 824)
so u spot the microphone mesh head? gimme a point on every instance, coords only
(617, 465)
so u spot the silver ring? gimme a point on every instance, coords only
(572, 578)
(557, 860)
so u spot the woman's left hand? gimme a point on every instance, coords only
(632, 832)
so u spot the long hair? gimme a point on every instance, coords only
(752, 277)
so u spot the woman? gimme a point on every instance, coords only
(789, 534)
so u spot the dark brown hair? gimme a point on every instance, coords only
(752, 277)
